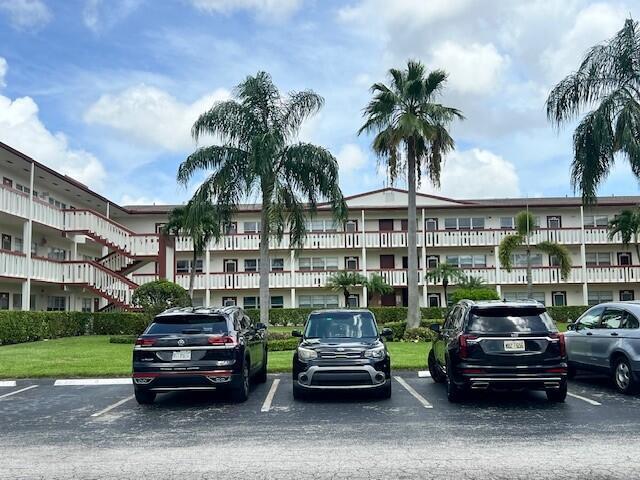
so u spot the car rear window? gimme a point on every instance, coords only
(507, 320)
(207, 324)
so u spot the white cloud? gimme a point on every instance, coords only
(3, 71)
(477, 173)
(128, 199)
(266, 9)
(351, 158)
(21, 128)
(26, 14)
(151, 116)
(98, 15)
(473, 68)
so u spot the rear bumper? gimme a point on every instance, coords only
(512, 383)
(185, 380)
(537, 377)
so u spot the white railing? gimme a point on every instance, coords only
(16, 203)
(115, 287)
(518, 276)
(13, 264)
(613, 274)
(47, 270)
(116, 261)
(142, 278)
(251, 241)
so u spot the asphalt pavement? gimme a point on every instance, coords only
(96, 430)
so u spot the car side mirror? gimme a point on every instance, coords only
(386, 333)
(296, 333)
(571, 326)
(435, 327)
(260, 326)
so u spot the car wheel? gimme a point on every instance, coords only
(143, 397)
(571, 371)
(455, 394)
(437, 375)
(261, 376)
(298, 392)
(558, 395)
(385, 391)
(623, 377)
(240, 392)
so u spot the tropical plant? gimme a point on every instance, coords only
(445, 273)
(608, 79)
(472, 282)
(376, 287)
(411, 137)
(483, 293)
(343, 281)
(627, 224)
(525, 224)
(199, 221)
(259, 154)
(156, 297)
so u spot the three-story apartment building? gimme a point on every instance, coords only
(65, 247)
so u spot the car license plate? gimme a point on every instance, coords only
(514, 345)
(181, 355)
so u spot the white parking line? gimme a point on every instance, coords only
(92, 381)
(584, 399)
(424, 374)
(7, 383)
(111, 407)
(17, 391)
(266, 406)
(415, 394)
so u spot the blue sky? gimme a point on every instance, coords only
(106, 91)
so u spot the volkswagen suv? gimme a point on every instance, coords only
(199, 349)
(341, 349)
(499, 345)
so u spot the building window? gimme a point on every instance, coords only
(56, 253)
(251, 227)
(318, 263)
(4, 300)
(277, 264)
(353, 301)
(17, 302)
(467, 261)
(554, 221)
(522, 296)
(597, 297)
(56, 304)
(6, 242)
(450, 223)
(506, 223)
(231, 228)
(318, 301)
(86, 304)
(184, 266)
(277, 301)
(477, 223)
(520, 260)
(597, 259)
(351, 226)
(251, 302)
(57, 203)
(34, 249)
(559, 299)
(464, 223)
(229, 301)
(433, 299)
(627, 295)
(624, 258)
(251, 265)
(351, 263)
(432, 261)
(431, 224)
(596, 221)
(18, 245)
(7, 182)
(22, 188)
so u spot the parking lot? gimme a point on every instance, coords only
(95, 429)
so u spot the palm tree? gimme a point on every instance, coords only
(198, 221)
(259, 154)
(472, 282)
(342, 281)
(627, 224)
(525, 226)
(411, 136)
(376, 287)
(445, 272)
(609, 80)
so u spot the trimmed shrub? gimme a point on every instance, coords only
(20, 327)
(129, 339)
(398, 329)
(290, 343)
(564, 314)
(156, 297)
(474, 294)
(119, 323)
(419, 334)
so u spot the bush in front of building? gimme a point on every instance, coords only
(566, 314)
(118, 323)
(155, 297)
(20, 327)
(483, 293)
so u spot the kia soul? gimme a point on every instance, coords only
(199, 349)
(500, 346)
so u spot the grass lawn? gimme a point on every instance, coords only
(94, 356)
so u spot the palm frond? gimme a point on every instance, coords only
(508, 246)
(561, 253)
(525, 223)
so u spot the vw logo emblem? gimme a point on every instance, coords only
(514, 334)
(340, 349)
(181, 342)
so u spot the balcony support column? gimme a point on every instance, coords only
(497, 262)
(292, 268)
(363, 266)
(583, 260)
(207, 286)
(424, 261)
(27, 236)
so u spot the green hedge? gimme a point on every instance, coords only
(119, 323)
(564, 314)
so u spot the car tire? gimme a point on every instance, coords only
(455, 394)
(558, 395)
(571, 371)
(298, 392)
(437, 375)
(385, 391)
(623, 377)
(240, 392)
(261, 376)
(144, 397)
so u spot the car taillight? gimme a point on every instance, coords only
(221, 340)
(145, 342)
(561, 342)
(463, 341)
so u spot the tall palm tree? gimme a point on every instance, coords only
(343, 281)
(198, 221)
(376, 287)
(525, 226)
(411, 137)
(445, 273)
(259, 154)
(627, 224)
(607, 80)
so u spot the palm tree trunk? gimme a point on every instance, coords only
(192, 273)
(445, 284)
(529, 281)
(345, 292)
(264, 261)
(413, 317)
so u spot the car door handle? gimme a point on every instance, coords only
(614, 334)
(589, 333)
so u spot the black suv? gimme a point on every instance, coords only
(199, 349)
(499, 345)
(341, 349)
